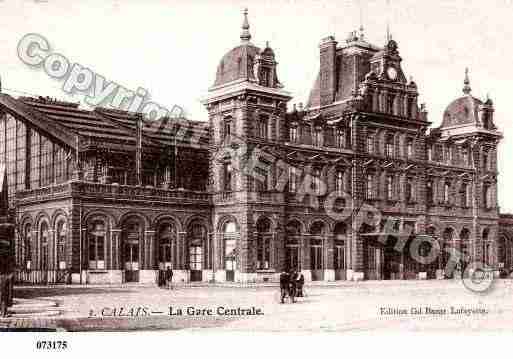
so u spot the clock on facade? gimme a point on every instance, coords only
(392, 73)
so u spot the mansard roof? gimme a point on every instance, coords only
(461, 111)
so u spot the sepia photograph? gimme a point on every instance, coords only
(289, 166)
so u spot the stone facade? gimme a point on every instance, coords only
(338, 189)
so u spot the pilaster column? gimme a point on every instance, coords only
(149, 250)
(182, 251)
(116, 249)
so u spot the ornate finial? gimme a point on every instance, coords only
(245, 36)
(267, 44)
(466, 83)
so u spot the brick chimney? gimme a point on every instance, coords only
(328, 50)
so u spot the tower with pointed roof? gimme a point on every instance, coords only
(246, 107)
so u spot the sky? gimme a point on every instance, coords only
(172, 48)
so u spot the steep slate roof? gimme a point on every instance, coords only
(113, 129)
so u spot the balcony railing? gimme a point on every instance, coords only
(111, 191)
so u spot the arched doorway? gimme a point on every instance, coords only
(230, 234)
(339, 251)
(166, 236)
(317, 233)
(197, 240)
(264, 238)
(132, 234)
(292, 243)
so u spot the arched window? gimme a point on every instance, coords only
(198, 259)
(316, 243)
(96, 235)
(60, 235)
(263, 243)
(43, 242)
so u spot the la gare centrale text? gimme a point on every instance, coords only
(176, 311)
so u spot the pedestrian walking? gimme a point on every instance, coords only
(293, 286)
(169, 278)
(284, 285)
(300, 284)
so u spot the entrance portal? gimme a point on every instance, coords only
(131, 238)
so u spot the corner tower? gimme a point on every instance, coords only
(246, 108)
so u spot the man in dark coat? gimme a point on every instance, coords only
(293, 285)
(300, 284)
(169, 278)
(284, 285)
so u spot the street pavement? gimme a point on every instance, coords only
(376, 306)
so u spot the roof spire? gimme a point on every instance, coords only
(362, 36)
(389, 35)
(245, 36)
(466, 83)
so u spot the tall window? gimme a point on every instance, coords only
(167, 236)
(448, 154)
(262, 128)
(263, 244)
(429, 192)
(61, 244)
(390, 104)
(429, 153)
(390, 146)
(227, 176)
(370, 143)
(293, 179)
(409, 148)
(487, 196)
(486, 163)
(464, 195)
(370, 186)
(339, 182)
(96, 237)
(293, 134)
(227, 127)
(340, 138)
(230, 245)
(390, 187)
(447, 192)
(410, 192)
(316, 181)
(317, 137)
(464, 156)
